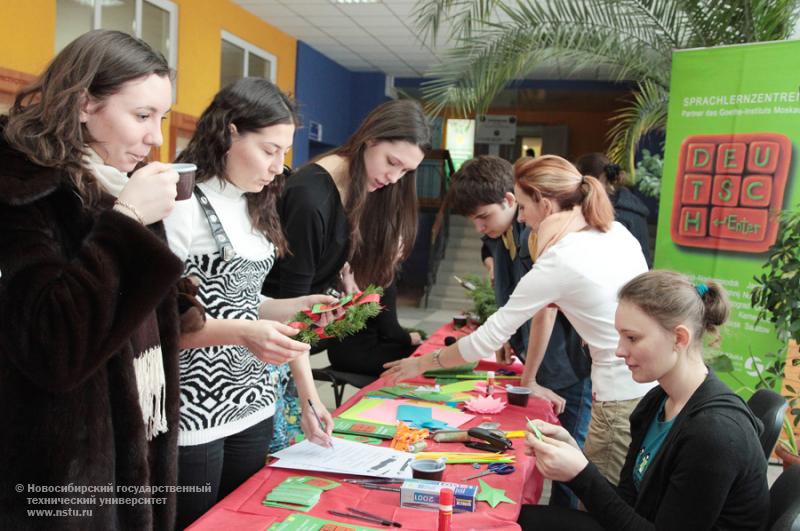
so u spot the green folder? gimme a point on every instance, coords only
(298, 493)
(357, 427)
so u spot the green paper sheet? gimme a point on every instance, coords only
(467, 367)
(477, 375)
(365, 404)
(464, 386)
(402, 391)
(491, 495)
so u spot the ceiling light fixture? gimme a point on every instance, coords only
(355, 1)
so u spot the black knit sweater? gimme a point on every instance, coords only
(317, 231)
(710, 472)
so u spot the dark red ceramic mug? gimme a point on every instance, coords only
(186, 173)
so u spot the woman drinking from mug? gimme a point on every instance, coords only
(88, 318)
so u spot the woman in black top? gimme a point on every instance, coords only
(628, 209)
(356, 204)
(695, 460)
(315, 223)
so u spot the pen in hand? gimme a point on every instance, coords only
(319, 420)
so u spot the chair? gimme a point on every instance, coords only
(340, 379)
(769, 407)
(784, 501)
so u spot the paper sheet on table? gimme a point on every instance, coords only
(385, 411)
(465, 386)
(346, 457)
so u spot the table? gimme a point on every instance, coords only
(242, 509)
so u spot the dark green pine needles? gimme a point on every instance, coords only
(354, 319)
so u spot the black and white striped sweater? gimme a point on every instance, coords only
(224, 389)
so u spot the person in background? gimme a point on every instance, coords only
(628, 209)
(88, 307)
(695, 460)
(229, 237)
(482, 190)
(346, 213)
(582, 258)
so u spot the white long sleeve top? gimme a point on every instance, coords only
(582, 274)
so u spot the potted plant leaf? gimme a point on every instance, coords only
(777, 298)
(482, 295)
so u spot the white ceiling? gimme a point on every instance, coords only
(360, 37)
(373, 37)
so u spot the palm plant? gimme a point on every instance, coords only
(499, 41)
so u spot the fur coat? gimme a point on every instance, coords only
(75, 282)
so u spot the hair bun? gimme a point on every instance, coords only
(612, 172)
(716, 307)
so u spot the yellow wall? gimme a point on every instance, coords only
(27, 34)
(27, 41)
(200, 23)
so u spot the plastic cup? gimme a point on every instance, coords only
(427, 469)
(186, 174)
(518, 396)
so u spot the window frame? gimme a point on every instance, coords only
(250, 48)
(166, 5)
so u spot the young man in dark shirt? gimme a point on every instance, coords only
(483, 191)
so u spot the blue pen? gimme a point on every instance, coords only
(321, 425)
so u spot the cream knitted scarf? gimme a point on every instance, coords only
(148, 362)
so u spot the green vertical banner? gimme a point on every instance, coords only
(730, 168)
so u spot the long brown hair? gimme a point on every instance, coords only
(249, 104)
(44, 122)
(383, 224)
(556, 179)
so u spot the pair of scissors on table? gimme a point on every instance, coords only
(494, 468)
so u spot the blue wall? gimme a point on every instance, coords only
(333, 96)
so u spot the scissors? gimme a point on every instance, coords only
(494, 468)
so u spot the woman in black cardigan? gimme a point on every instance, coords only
(695, 461)
(88, 313)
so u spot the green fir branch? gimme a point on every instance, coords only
(353, 321)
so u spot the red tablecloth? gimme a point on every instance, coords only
(242, 509)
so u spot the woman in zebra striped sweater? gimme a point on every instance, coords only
(229, 238)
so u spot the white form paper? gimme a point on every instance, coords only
(346, 457)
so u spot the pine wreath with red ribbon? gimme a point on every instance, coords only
(362, 306)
